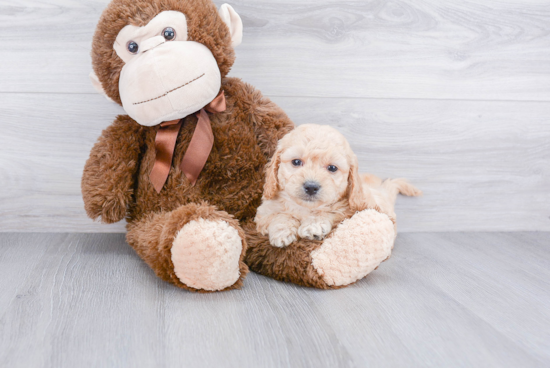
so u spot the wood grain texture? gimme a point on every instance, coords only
(380, 49)
(480, 165)
(453, 96)
(41, 163)
(447, 299)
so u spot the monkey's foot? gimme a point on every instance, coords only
(356, 248)
(206, 254)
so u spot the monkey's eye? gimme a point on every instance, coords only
(332, 168)
(296, 162)
(169, 33)
(132, 47)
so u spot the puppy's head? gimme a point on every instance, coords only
(314, 165)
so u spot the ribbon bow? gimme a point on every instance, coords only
(198, 151)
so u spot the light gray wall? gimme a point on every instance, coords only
(453, 95)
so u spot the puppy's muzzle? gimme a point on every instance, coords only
(311, 188)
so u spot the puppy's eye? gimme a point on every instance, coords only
(332, 168)
(169, 33)
(296, 162)
(132, 47)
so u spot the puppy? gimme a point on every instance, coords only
(312, 183)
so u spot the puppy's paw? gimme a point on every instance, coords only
(314, 229)
(282, 238)
(281, 235)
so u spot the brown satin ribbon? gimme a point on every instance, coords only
(197, 152)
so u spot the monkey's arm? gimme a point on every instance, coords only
(110, 172)
(270, 122)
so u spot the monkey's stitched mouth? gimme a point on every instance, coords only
(172, 90)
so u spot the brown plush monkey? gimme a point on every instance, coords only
(185, 167)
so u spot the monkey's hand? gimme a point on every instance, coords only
(110, 172)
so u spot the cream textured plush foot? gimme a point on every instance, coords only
(206, 254)
(356, 248)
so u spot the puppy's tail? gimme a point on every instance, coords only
(390, 188)
(393, 186)
(404, 187)
(400, 185)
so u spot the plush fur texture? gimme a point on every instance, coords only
(115, 182)
(355, 249)
(306, 157)
(290, 264)
(289, 215)
(153, 237)
(345, 256)
(116, 176)
(116, 185)
(206, 254)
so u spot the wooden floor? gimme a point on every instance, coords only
(447, 299)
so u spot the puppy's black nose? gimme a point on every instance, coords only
(311, 187)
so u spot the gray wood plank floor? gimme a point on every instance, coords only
(446, 299)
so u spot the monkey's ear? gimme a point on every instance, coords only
(234, 23)
(97, 85)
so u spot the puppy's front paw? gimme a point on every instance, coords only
(282, 238)
(281, 235)
(314, 229)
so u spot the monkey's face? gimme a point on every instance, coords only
(165, 76)
(166, 68)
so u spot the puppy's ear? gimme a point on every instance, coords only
(360, 198)
(271, 186)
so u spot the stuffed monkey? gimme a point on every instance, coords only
(185, 166)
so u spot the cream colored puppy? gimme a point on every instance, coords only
(312, 183)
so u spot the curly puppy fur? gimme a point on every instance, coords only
(115, 182)
(288, 211)
(313, 184)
